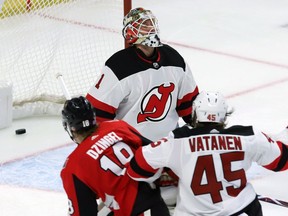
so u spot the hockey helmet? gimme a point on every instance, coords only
(209, 107)
(140, 26)
(78, 114)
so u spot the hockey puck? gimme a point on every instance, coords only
(20, 131)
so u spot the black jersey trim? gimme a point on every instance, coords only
(182, 132)
(283, 159)
(254, 208)
(234, 130)
(137, 169)
(126, 62)
(239, 130)
(103, 114)
(184, 106)
(86, 198)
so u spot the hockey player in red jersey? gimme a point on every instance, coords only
(149, 84)
(211, 161)
(96, 168)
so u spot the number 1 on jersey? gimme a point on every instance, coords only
(99, 82)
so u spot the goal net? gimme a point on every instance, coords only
(41, 38)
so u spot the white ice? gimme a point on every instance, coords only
(237, 47)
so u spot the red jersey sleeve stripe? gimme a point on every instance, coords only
(188, 97)
(141, 161)
(100, 105)
(280, 163)
(184, 105)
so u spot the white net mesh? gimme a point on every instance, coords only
(40, 38)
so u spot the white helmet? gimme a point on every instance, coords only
(209, 107)
(141, 27)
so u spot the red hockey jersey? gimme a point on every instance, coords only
(96, 169)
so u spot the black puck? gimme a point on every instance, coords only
(20, 131)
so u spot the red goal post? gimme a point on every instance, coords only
(41, 38)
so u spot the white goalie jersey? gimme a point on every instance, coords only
(211, 166)
(150, 95)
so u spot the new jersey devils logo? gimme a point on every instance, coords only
(156, 103)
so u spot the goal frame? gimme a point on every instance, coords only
(45, 104)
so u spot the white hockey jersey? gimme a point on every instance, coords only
(149, 94)
(211, 166)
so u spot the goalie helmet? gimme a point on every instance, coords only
(78, 114)
(141, 27)
(209, 107)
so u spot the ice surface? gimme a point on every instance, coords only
(237, 47)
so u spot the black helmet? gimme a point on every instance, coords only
(78, 114)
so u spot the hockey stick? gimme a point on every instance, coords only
(103, 210)
(59, 77)
(272, 200)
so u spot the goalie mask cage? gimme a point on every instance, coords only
(41, 38)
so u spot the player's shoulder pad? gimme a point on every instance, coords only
(239, 130)
(171, 57)
(125, 63)
(116, 56)
(187, 131)
(181, 132)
